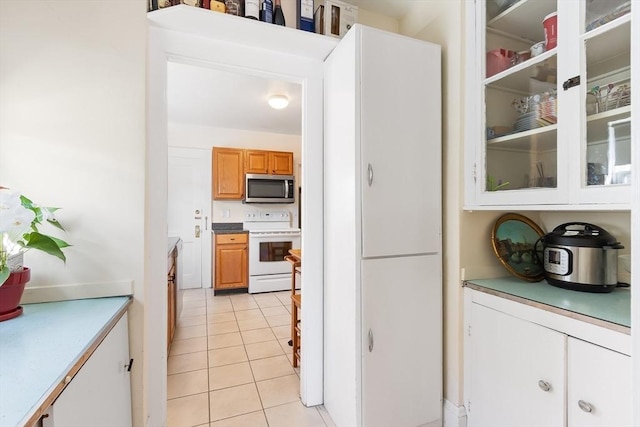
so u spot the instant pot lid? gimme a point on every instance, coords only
(581, 234)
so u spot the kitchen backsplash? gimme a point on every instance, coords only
(233, 211)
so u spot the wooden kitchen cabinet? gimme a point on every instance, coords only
(280, 162)
(523, 149)
(256, 161)
(231, 262)
(228, 173)
(172, 297)
(268, 162)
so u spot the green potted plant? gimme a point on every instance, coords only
(19, 222)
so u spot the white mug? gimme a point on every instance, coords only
(537, 49)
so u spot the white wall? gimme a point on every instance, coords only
(191, 136)
(376, 20)
(441, 23)
(72, 117)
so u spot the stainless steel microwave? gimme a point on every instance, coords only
(261, 188)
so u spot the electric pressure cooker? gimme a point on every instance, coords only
(581, 256)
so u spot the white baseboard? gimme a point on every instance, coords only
(37, 294)
(454, 416)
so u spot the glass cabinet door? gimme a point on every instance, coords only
(552, 103)
(519, 93)
(607, 58)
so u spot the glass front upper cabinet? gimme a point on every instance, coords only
(552, 104)
(606, 35)
(520, 95)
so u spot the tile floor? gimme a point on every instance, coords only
(230, 364)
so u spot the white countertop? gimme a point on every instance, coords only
(39, 348)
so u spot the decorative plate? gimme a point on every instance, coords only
(514, 239)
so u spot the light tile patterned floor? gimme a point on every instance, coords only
(230, 364)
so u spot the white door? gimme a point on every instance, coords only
(401, 144)
(599, 386)
(517, 372)
(402, 322)
(189, 212)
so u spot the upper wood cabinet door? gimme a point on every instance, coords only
(228, 173)
(256, 161)
(280, 162)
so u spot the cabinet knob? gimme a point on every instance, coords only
(585, 406)
(67, 379)
(544, 385)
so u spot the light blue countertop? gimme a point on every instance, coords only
(40, 347)
(614, 307)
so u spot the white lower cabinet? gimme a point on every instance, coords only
(401, 350)
(599, 392)
(99, 395)
(525, 374)
(517, 372)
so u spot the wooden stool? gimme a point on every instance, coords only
(296, 307)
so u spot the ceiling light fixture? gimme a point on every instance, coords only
(278, 102)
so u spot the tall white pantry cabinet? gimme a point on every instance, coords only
(383, 260)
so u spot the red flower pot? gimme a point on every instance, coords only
(11, 292)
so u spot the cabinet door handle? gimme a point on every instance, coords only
(370, 340)
(197, 231)
(544, 385)
(585, 406)
(573, 81)
(370, 171)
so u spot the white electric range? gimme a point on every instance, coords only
(270, 238)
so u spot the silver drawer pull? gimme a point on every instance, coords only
(544, 386)
(370, 178)
(585, 406)
(370, 340)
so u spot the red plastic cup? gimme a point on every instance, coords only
(550, 24)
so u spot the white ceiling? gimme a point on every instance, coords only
(207, 97)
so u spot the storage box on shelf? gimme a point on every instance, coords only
(334, 18)
(567, 105)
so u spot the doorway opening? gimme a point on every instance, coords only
(214, 49)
